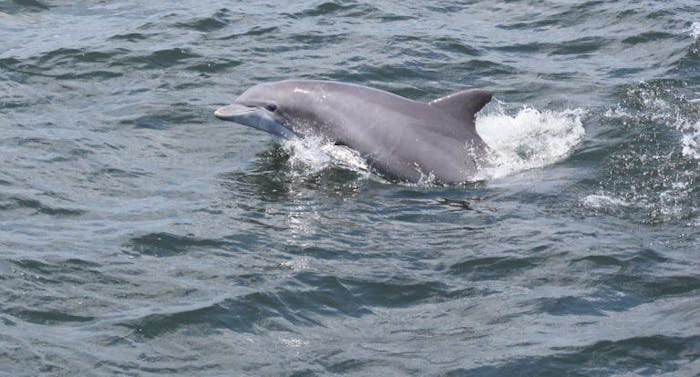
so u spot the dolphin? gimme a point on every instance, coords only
(401, 138)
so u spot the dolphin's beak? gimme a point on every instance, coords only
(234, 111)
(256, 117)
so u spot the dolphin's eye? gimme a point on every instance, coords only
(271, 107)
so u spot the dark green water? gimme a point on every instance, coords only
(140, 236)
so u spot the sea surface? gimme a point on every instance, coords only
(141, 236)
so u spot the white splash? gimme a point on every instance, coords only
(690, 139)
(312, 154)
(293, 342)
(297, 264)
(603, 201)
(661, 110)
(530, 139)
(306, 154)
(695, 30)
(664, 189)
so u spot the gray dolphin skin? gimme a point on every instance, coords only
(403, 139)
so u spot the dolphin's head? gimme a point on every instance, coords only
(272, 107)
(262, 117)
(254, 109)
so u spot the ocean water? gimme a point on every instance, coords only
(140, 236)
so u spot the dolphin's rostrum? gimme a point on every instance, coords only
(403, 139)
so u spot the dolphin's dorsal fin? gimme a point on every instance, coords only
(464, 105)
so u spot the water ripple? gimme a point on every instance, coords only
(218, 20)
